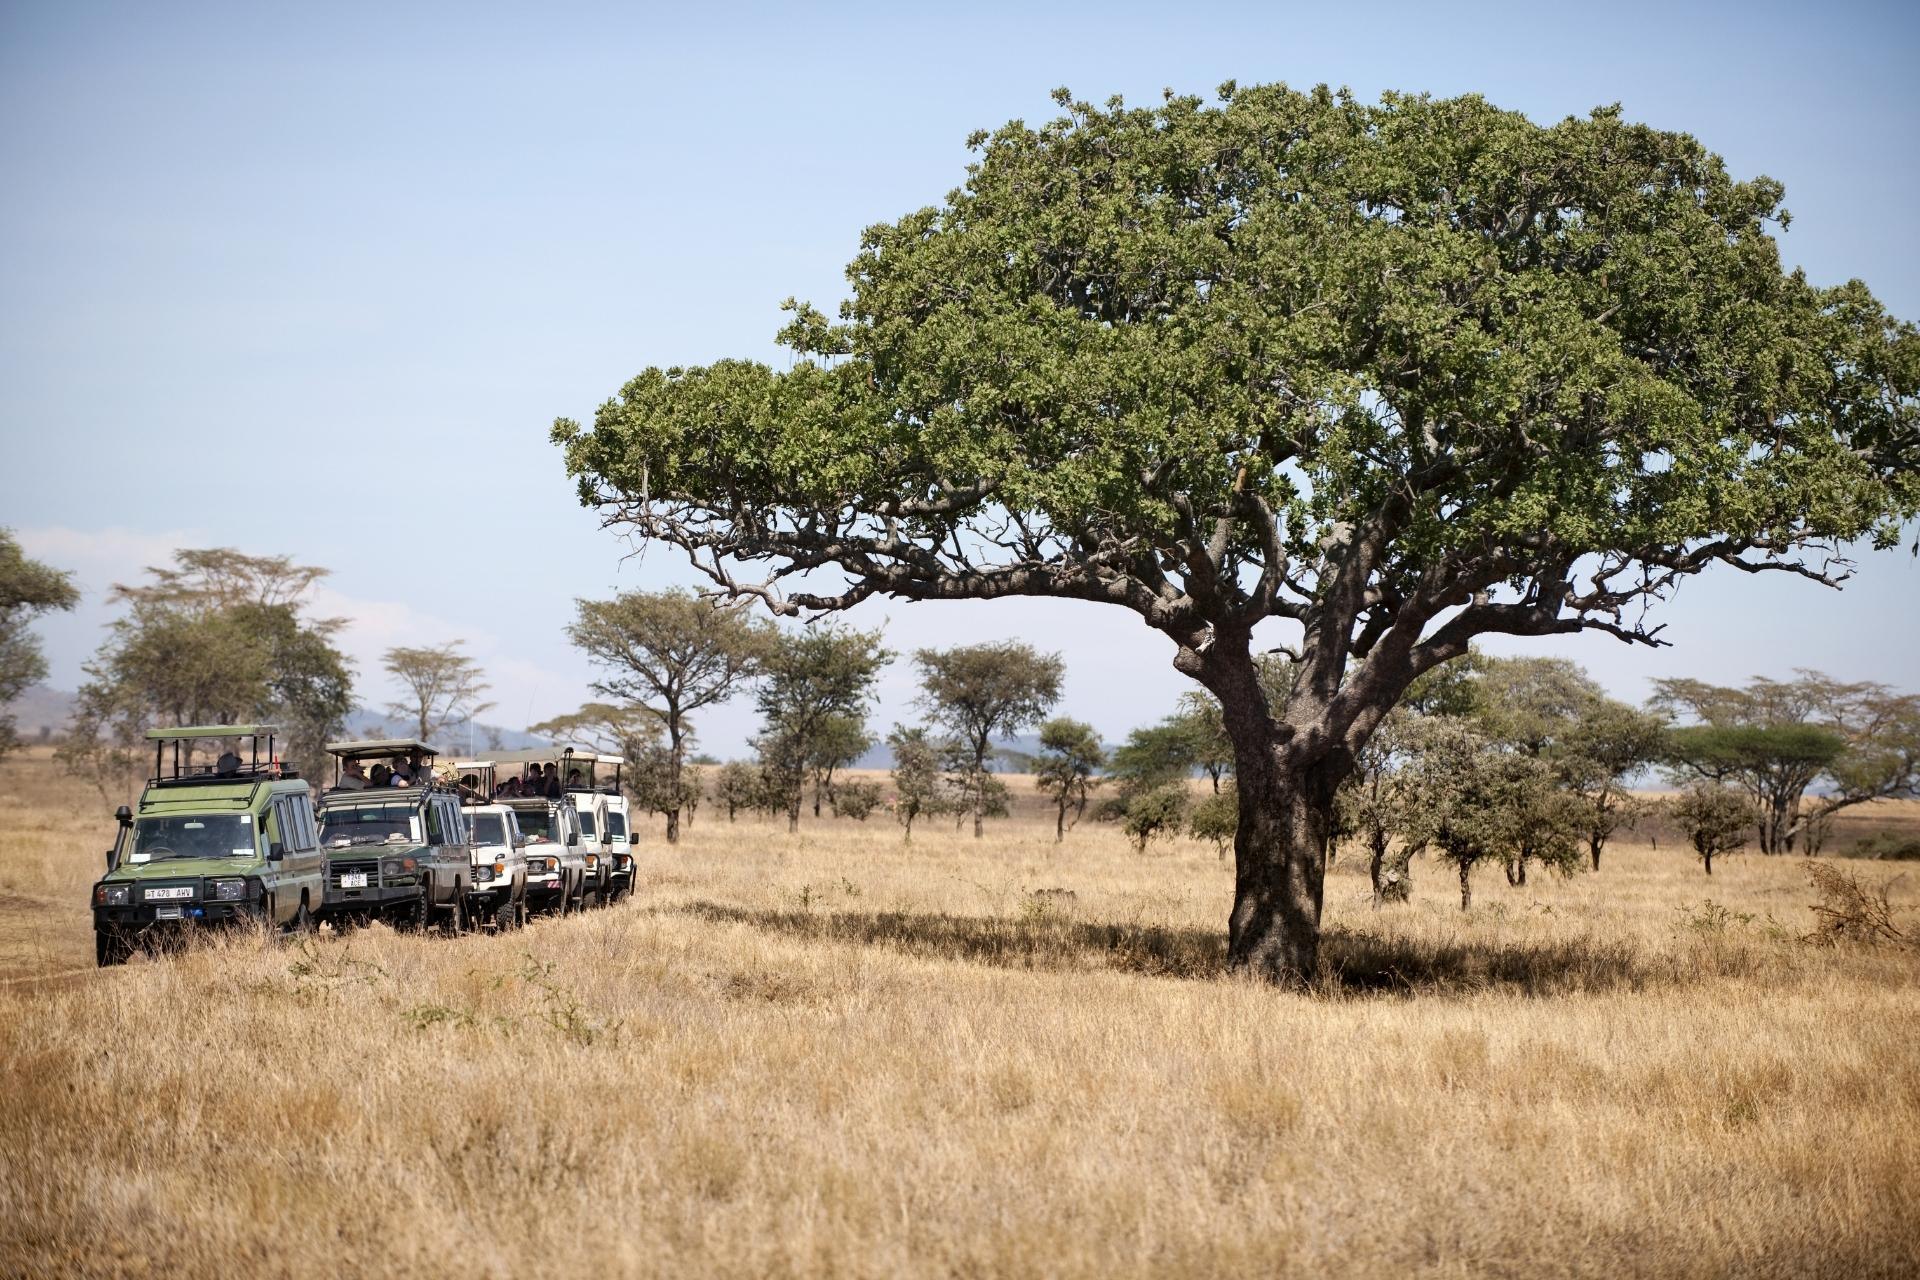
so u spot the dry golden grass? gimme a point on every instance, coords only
(835, 1055)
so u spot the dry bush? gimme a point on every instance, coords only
(1849, 911)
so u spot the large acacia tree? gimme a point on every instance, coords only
(1384, 377)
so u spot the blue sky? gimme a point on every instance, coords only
(318, 282)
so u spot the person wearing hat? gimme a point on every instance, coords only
(353, 777)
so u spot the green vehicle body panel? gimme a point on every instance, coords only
(300, 871)
(443, 868)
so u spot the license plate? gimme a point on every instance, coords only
(353, 880)
(158, 895)
(166, 913)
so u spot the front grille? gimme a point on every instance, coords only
(338, 869)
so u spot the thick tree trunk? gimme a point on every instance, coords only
(1466, 886)
(1060, 822)
(1280, 852)
(1708, 859)
(1517, 872)
(673, 826)
(1594, 844)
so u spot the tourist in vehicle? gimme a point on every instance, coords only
(382, 776)
(353, 777)
(227, 765)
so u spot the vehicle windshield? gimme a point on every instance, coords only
(586, 823)
(616, 826)
(341, 827)
(218, 835)
(486, 828)
(536, 825)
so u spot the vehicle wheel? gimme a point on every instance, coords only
(454, 923)
(418, 915)
(109, 948)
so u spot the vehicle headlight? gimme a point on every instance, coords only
(230, 890)
(112, 895)
(553, 864)
(483, 873)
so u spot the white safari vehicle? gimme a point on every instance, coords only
(497, 893)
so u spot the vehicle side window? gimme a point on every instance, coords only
(436, 828)
(272, 828)
(308, 836)
(456, 824)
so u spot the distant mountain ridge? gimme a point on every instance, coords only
(40, 712)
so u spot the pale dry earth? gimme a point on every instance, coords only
(835, 1054)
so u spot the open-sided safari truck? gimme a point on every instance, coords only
(562, 875)
(497, 894)
(216, 838)
(394, 837)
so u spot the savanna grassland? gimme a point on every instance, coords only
(835, 1054)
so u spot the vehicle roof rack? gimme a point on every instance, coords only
(228, 766)
(379, 748)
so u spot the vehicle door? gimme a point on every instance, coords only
(441, 875)
(303, 864)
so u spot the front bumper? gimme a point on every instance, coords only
(374, 897)
(139, 917)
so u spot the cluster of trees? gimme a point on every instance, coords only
(222, 637)
(1525, 762)
(665, 656)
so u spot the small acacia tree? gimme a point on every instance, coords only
(811, 682)
(1713, 818)
(440, 686)
(670, 653)
(978, 691)
(735, 787)
(1388, 376)
(1070, 755)
(916, 775)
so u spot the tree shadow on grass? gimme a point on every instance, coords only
(1352, 963)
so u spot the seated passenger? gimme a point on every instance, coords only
(227, 765)
(353, 777)
(382, 776)
(574, 779)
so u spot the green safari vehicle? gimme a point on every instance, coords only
(395, 838)
(211, 843)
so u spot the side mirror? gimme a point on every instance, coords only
(109, 859)
(573, 837)
(276, 851)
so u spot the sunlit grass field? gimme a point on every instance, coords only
(839, 1054)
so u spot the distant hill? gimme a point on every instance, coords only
(40, 712)
(39, 709)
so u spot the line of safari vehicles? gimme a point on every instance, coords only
(396, 835)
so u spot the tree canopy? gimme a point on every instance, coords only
(1393, 375)
(27, 590)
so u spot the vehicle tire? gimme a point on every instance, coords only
(303, 921)
(417, 917)
(109, 948)
(454, 923)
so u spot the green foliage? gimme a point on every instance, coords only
(1217, 819)
(982, 690)
(1887, 845)
(220, 637)
(1070, 755)
(811, 682)
(1157, 812)
(916, 775)
(735, 787)
(1714, 819)
(27, 590)
(857, 799)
